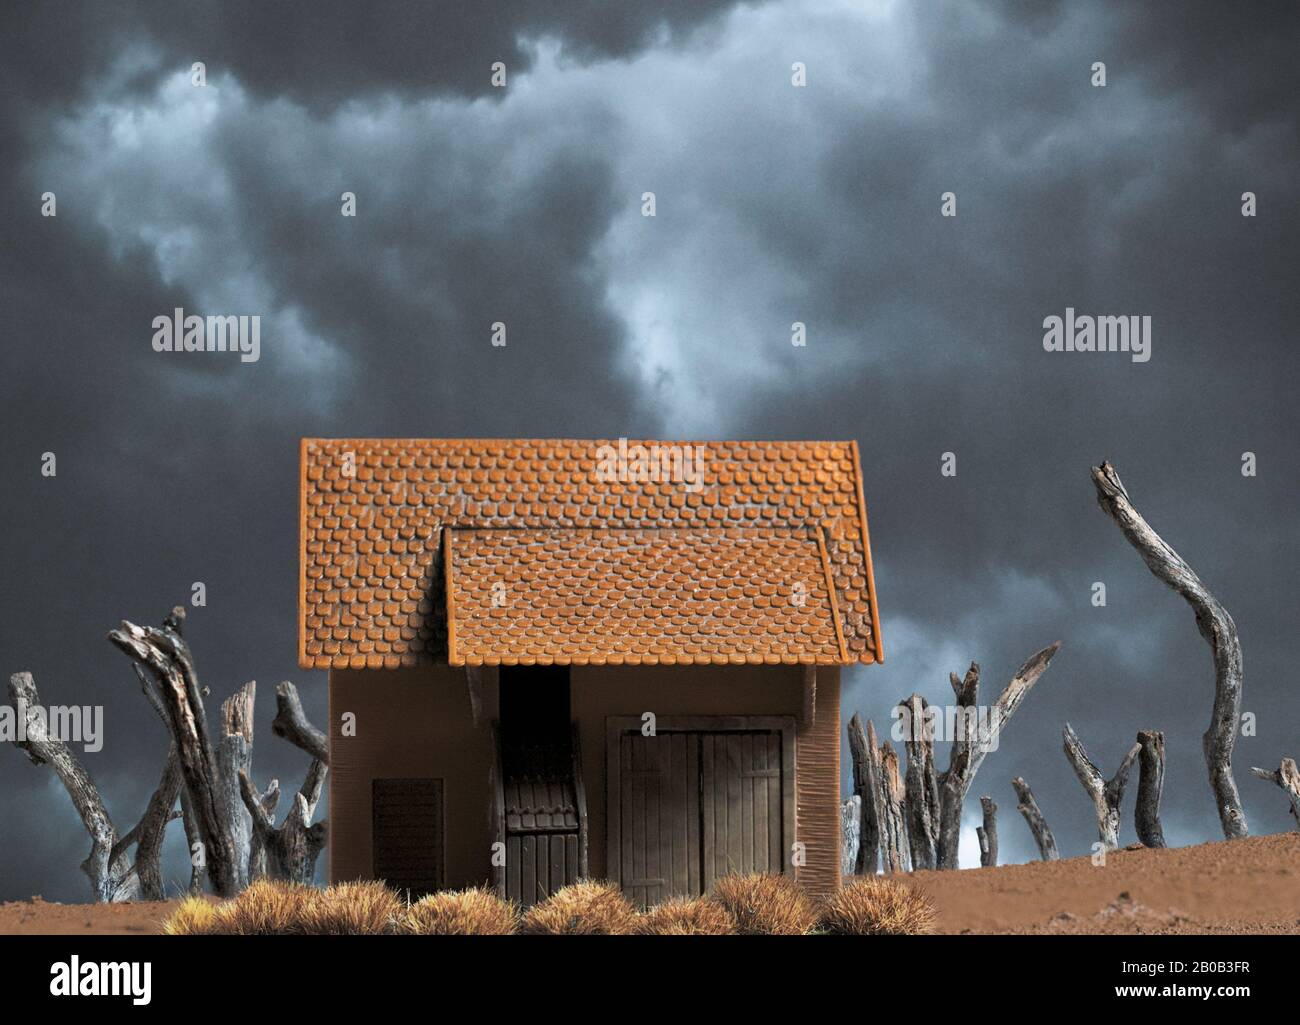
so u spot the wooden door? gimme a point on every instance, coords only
(689, 805)
(740, 804)
(660, 802)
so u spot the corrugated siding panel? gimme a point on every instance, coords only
(817, 789)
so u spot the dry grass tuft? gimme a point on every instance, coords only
(583, 909)
(194, 916)
(682, 916)
(362, 908)
(766, 905)
(264, 908)
(878, 907)
(473, 912)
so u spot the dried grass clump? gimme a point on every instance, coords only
(766, 905)
(878, 907)
(583, 909)
(362, 908)
(683, 916)
(194, 916)
(263, 908)
(473, 912)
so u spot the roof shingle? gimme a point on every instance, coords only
(373, 514)
(641, 597)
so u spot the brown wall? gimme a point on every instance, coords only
(417, 722)
(410, 723)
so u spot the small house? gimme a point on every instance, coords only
(561, 659)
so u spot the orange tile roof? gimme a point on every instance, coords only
(641, 597)
(373, 514)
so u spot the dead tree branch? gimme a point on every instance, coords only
(289, 851)
(988, 833)
(112, 876)
(1028, 807)
(235, 755)
(1151, 783)
(865, 787)
(922, 782)
(257, 868)
(193, 842)
(1106, 796)
(1214, 624)
(292, 848)
(290, 723)
(149, 832)
(163, 652)
(969, 749)
(850, 834)
(1287, 776)
(895, 855)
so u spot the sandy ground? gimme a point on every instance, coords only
(41, 918)
(1243, 886)
(1247, 886)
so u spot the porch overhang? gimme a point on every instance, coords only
(565, 596)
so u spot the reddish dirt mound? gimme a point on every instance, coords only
(1242, 886)
(1245, 886)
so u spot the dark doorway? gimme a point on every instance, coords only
(542, 800)
(534, 703)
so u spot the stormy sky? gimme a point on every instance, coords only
(775, 204)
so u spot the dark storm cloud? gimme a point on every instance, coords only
(175, 471)
(1118, 200)
(775, 205)
(322, 52)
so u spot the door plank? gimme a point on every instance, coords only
(709, 811)
(776, 853)
(735, 834)
(694, 852)
(760, 807)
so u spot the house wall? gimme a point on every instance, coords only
(412, 722)
(418, 722)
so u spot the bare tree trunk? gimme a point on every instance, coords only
(1287, 776)
(290, 850)
(257, 849)
(165, 654)
(922, 782)
(1106, 796)
(1028, 807)
(235, 756)
(1151, 783)
(850, 835)
(149, 833)
(1214, 624)
(988, 833)
(110, 881)
(952, 784)
(193, 842)
(968, 752)
(893, 799)
(866, 788)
